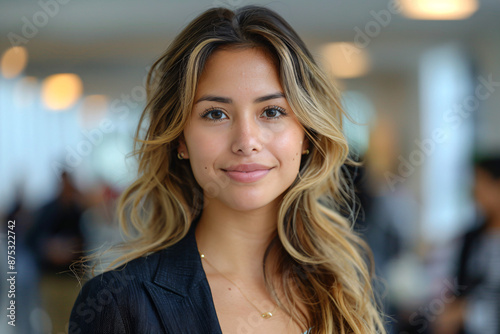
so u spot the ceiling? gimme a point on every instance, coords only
(128, 35)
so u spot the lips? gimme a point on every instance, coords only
(247, 177)
(247, 173)
(246, 168)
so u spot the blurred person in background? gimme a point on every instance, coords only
(378, 226)
(99, 223)
(477, 309)
(55, 240)
(386, 221)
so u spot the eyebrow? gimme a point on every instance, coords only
(228, 100)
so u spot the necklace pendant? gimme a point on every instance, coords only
(266, 315)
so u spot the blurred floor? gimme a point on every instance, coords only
(58, 293)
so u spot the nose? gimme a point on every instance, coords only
(247, 136)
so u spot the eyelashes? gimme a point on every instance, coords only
(211, 111)
(219, 112)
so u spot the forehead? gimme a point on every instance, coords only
(239, 69)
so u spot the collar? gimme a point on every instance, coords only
(180, 269)
(180, 289)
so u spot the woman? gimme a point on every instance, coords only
(237, 214)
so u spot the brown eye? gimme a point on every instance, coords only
(213, 114)
(271, 112)
(274, 112)
(216, 114)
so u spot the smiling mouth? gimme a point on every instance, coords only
(247, 176)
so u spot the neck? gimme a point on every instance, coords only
(235, 241)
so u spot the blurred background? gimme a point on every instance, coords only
(420, 79)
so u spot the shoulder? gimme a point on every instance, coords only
(144, 294)
(131, 273)
(147, 268)
(106, 302)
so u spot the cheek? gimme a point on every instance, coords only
(200, 143)
(203, 148)
(289, 147)
(273, 132)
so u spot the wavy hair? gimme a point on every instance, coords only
(329, 265)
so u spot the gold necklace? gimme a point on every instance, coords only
(265, 315)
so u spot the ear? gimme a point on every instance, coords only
(182, 148)
(305, 144)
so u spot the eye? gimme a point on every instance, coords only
(272, 111)
(215, 113)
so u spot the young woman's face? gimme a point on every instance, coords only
(241, 117)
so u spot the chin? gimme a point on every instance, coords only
(246, 207)
(251, 204)
(247, 204)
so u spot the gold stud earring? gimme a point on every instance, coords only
(306, 152)
(180, 156)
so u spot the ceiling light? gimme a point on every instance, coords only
(439, 9)
(345, 60)
(61, 91)
(14, 61)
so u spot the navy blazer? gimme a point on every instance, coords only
(164, 292)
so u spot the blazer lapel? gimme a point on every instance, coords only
(180, 290)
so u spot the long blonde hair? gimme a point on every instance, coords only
(317, 249)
